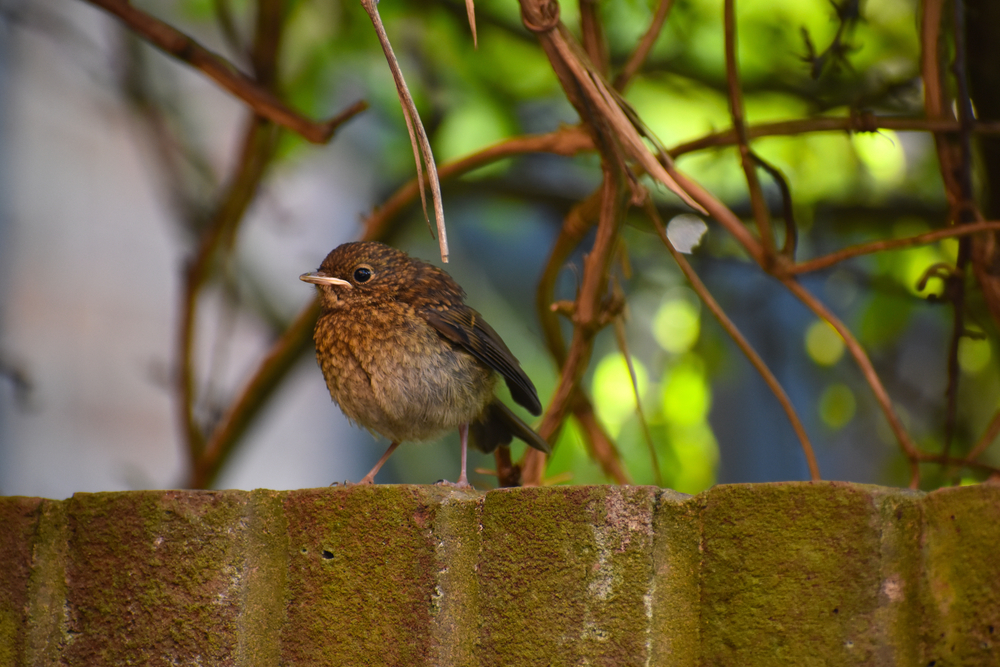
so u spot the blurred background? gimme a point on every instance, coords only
(114, 158)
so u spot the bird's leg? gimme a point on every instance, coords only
(463, 435)
(370, 477)
(463, 480)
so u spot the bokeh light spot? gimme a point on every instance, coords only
(614, 395)
(837, 406)
(882, 154)
(686, 396)
(824, 344)
(676, 325)
(974, 355)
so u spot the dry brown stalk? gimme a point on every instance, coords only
(423, 156)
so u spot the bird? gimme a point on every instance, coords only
(405, 357)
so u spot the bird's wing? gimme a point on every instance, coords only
(465, 327)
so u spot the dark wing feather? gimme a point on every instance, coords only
(496, 427)
(465, 327)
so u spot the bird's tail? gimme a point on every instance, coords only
(498, 425)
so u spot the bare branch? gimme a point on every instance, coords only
(856, 123)
(638, 57)
(568, 140)
(989, 435)
(890, 244)
(760, 213)
(257, 97)
(288, 349)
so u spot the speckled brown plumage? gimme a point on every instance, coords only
(405, 357)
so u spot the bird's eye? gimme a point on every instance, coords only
(362, 274)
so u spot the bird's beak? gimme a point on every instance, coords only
(320, 279)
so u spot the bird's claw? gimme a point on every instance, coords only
(460, 484)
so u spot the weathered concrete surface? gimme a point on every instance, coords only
(775, 574)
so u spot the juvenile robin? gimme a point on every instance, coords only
(405, 357)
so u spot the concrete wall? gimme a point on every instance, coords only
(777, 574)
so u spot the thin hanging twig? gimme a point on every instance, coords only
(619, 325)
(422, 154)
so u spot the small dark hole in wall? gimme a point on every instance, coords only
(327, 554)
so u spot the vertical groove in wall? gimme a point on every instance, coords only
(47, 606)
(263, 613)
(455, 603)
(902, 601)
(674, 634)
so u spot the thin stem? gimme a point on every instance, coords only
(567, 141)
(865, 364)
(889, 244)
(755, 359)
(586, 319)
(955, 285)
(992, 430)
(760, 213)
(620, 337)
(855, 123)
(638, 57)
(422, 153)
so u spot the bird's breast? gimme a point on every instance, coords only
(392, 373)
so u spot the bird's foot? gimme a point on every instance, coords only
(367, 481)
(460, 484)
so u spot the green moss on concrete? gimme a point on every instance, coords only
(362, 575)
(564, 572)
(18, 524)
(154, 577)
(962, 552)
(790, 574)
